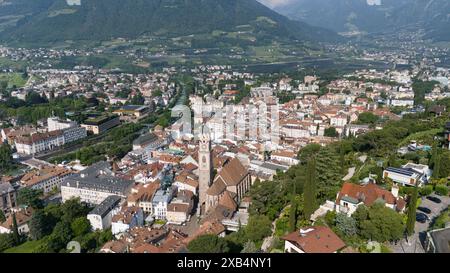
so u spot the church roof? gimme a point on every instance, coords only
(232, 173)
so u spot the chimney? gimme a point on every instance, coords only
(394, 190)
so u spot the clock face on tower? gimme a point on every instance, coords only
(203, 147)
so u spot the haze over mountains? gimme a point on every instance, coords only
(370, 16)
(57, 20)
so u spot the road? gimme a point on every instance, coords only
(351, 172)
(416, 241)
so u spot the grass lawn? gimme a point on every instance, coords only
(28, 247)
(13, 79)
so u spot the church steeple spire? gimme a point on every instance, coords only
(205, 167)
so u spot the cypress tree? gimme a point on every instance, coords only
(412, 212)
(16, 236)
(437, 165)
(293, 215)
(310, 188)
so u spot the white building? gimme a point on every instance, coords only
(45, 178)
(94, 184)
(160, 201)
(54, 124)
(405, 177)
(101, 216)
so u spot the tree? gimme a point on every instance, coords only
(73, 209)
(30, 197)
(309, 190)
(33, 98)
(15, 234)
(345, 224)
(258, 228)
(80, 226)
(2, 216)
(249, 247)
(6, 241)
(331, 132)
(379, 223)
(6, 159)
(412, 206)
(39, 225)
(293, 215)
(208, 244)
(367, 118)
(60, 236)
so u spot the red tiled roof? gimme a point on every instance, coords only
(317, 239)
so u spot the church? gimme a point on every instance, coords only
(229, 185)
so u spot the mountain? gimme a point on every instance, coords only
(59, 20)
(370, 16)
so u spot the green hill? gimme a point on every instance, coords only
(109, 19)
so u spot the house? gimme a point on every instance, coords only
(437, 240)
(127, 218)
(317, 239)
(46, 178)
(142, 196)
(180, 209)
(352, 195)
(285, 156)
(101, 216)
(23, 217)
(404, 176)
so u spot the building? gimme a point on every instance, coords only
(233, 179)
(148, 141)
(352, 195)
(317, 239)
(137, 111)
(437, 240)
(205, 169)
(101, 216)
(142, 196)
(39, 142)
(126, 219)
(178, 213)
(180, 209)
(46, 178)
(23, 217)
(160, 201)
(73, 134)
(405, 177)
(94, 184)
(36, 143)
(101, 124)
(8, 196)
(55, 124)
(285, 156)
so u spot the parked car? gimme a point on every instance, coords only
(434, 199)
(424, 209)
(421, 217)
